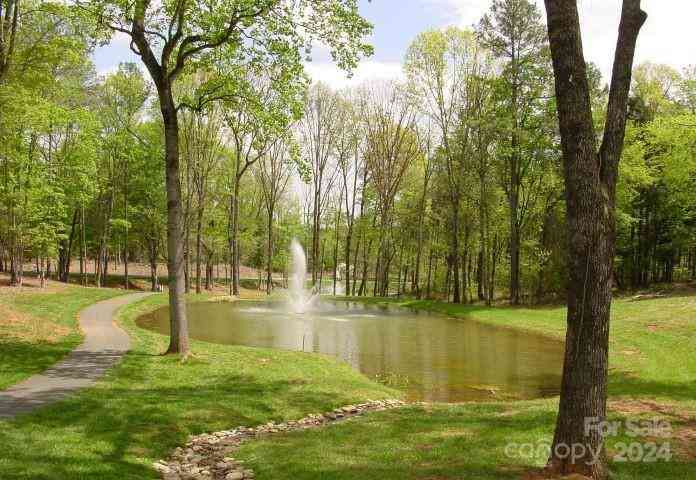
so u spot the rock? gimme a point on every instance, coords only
(202, 458)
(161, 467)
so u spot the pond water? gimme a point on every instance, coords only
(431, 357)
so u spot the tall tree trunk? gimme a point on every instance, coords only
(187, 251)
(152, 254)
(335, 257)
(454, 254)
(102, 260)
(42, 271)
(363, 282)
(179, 339)
(419, 248)
(65, 254)
(347, 250)
(356, 254)
(83, 248)
(321, 271)
(316, 231)
(269, 251)
(234, 239)
(126, 280)
(428, 285)
(199, 242)
(590, 181)
(514, 251)
(514, 193)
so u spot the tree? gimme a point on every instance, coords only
(202, 149)
(272, 101)
(391, 147)
(350, 163)
(9, 17)
(441, 66)
(274, 172)
(174, 35)
(123, 95)
(46, 128)
(590, 184)
(320, 130)
(514, 33)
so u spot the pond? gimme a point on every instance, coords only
(431, 357)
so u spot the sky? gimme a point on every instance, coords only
(667, 36)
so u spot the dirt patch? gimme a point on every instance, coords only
(682, 438)
(29, 328)
(684, 442)
(29, 284)
(455, 433)
(644, 407)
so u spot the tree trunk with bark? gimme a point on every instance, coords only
(65, 251)
(179, 339)
(199, 242)
(590, 181)
(234, 238)
(269, 251)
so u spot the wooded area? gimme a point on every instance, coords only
(448, 185)
(502, 168)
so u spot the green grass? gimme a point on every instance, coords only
(149, 404)
(443, 442)
(40, 328)
(652, 358)
(651, 348)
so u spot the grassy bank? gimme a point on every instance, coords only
(149, 404)
(653, 375)
(38, 327)
(651, 348)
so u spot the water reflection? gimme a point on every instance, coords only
(431, 357)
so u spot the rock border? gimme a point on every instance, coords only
(206, 456)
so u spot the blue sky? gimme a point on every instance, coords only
(396, 24)
(666, 38)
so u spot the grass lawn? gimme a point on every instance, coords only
(149, 404)
(39, 327)
(653, 375)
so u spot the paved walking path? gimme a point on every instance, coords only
(104, 345)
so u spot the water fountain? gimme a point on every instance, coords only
(384, 342)
(300, 298)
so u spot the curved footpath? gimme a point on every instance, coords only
(104, 345)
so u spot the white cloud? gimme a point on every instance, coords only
(336, 78)
(666, 37)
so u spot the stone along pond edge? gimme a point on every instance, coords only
(207, 456)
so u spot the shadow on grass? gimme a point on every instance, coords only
(623, 384)
(447, 442)
(112, 432)
(21, 359)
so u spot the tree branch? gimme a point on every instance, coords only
(632, 19)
